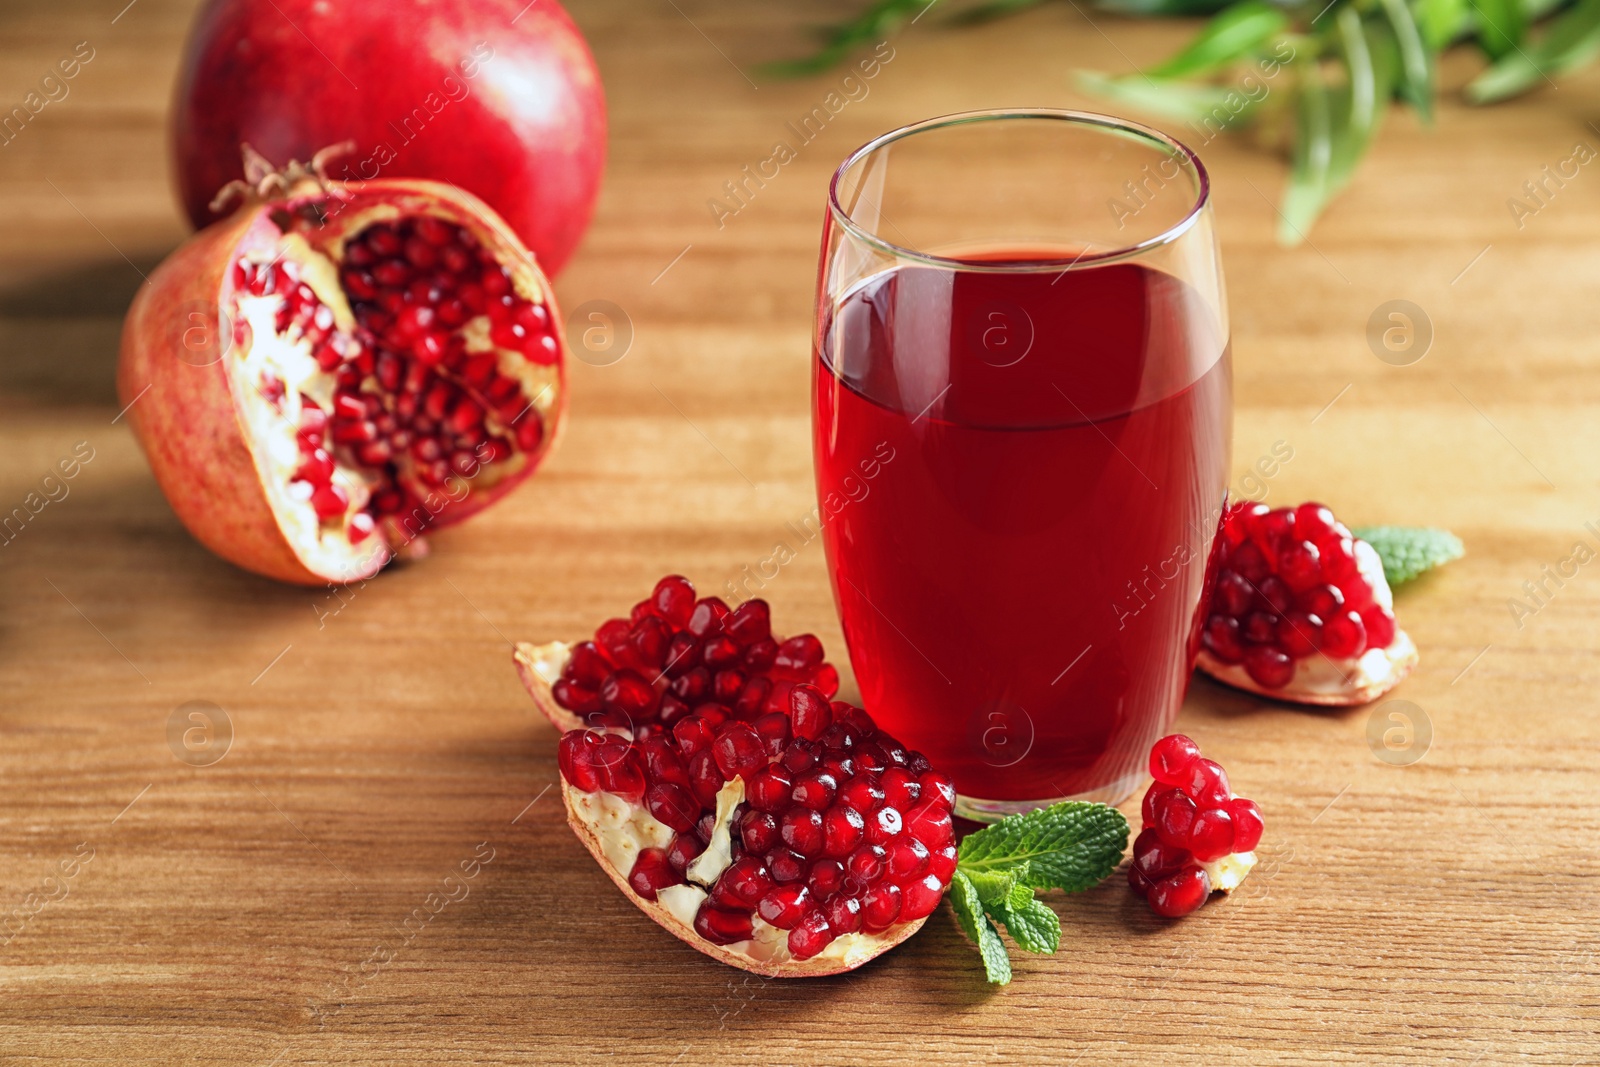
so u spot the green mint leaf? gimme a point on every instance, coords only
(996, 884)
(1072, 845)
(969, 913)
(1030, 921)
(1408, 551)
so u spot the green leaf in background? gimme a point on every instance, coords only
(1501, 26)
(1572, 41)
(1416, 59)
(876, 23)
(1072, 845)
(1442, 21)
(1409, 551)
(1178, 103)
(1030, 921)
(1228, 38)
(1148, 8)
(969, 913)
(1312, 157)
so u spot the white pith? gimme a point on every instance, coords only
(324, 545)
(1323, 679)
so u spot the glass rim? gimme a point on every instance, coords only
(1148, 134)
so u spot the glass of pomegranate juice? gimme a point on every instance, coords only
(1022, 400)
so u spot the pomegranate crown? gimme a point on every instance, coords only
(264, 183)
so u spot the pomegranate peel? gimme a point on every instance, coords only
(1301, 610)
(337, 367)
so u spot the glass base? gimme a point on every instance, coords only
(995, 810)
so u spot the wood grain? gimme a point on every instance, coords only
(255, 911)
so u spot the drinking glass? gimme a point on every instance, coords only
(1022, 398)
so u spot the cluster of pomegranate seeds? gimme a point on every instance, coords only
(1288, 587)
(843, 830)
(676, 655)
(1190, 818)
(411, 404)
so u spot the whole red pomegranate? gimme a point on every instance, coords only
(498, 97)
(337, 367)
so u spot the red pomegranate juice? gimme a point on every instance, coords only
(1022, 473)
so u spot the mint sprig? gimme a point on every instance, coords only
(1410, 551)
(1072, 846)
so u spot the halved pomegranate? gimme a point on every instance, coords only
(776, 832)
(1301, 610)
(338, 367)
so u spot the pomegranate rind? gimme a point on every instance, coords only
(871, 945)
(183, 409)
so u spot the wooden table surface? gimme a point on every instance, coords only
(1430, 911)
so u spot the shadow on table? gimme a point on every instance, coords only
(60, 331)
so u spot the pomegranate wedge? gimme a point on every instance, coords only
(1301, 610)
(765, 826)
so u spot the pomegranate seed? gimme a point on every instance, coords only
(801, 653)
(802, 831)
(785, 905)
(1223, 639)
(880, 907)
(1247, 824)
(705, 779)
(844, 915)
(814, 790)
(685, 848)
(842, 830)
(1172, 759)
(329, 501)
(1270, 668)
(1211, 837)
(317, 468)
(809, 712)
(867, 863)
(900, 789)
(673, 805)
(361, 527)
(920, 896)
(908, 858)
(1314, 521)
(652, 872)
(942, 863)
(785, 867)
(930, 823)
(738, 750)
(1379, 624)
(1300, 634)
(810, 936)
(749, 622)
(826, 878)
(1207, 784)
(721, 926)
(1344, 636)
(1175, 814)
(759, 832)
(1154, 858)
(746, 880)
(883, 824)
(773, 728)
(1179, 894)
